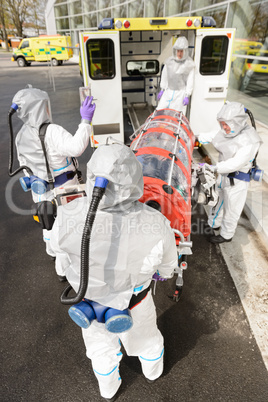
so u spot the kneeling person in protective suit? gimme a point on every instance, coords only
(60, 147)
(129, 243)
(237, 144)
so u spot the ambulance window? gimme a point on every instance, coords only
(101, 60)
(142, 67)
(213, 55)
(24, 44)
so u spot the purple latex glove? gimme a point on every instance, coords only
(87, 109)
(160, 94)
(157, 277)
(185, 101)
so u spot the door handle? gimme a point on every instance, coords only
(216, 89)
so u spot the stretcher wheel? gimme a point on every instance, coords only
(177, 294)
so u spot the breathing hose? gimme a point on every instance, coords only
(12, 110)
(251, 118)
(98, 192)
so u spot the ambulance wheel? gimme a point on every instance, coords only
(21, 62)
(55, 62)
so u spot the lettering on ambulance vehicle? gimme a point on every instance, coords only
(123, 61)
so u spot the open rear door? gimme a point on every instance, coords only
(102, 71)
(213, 52)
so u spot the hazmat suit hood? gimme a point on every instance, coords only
(127, 238)
(117, 163)
(180, 44)
(33, 110)
(233, 114)
(33, 107)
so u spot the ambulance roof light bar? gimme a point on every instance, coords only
(106, 23)
(208, 22)
(110, 23)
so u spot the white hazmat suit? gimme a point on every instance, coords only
(129, 243)
(61, 146)
(177, 79)
(237, 150)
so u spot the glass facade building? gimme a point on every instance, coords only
(249, 72)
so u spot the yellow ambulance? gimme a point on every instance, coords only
(43, 48)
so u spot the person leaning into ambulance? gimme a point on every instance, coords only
(60, 146)
(237, 144)
(130, 241)
(177, 78)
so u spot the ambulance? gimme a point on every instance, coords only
(253, 66)
(122, 63)
(43, 48)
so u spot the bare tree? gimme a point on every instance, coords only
(21, 11)
(18, 11)
(3, 22)
(37, 17)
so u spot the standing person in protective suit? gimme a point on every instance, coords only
(177, 79)
(237, 144)
(129, 242)
(61, 146)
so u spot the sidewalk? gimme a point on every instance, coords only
(74, 59)
(246, 255)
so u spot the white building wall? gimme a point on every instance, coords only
(50, 18)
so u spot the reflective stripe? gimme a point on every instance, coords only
(64, 167)
(171, 99)
(151, 360)
(138, 289)
(107, 373)
(217, 214)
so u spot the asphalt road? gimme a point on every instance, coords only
(210, 351)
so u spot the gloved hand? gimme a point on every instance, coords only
(160, 94)
(207, 176)
(211, 168)
(185, 101)
(87, 109)
(157, 277)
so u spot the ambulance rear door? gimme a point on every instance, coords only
(213, 52)
(100, 56)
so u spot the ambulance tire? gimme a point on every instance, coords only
(21, 62)
(55, 62)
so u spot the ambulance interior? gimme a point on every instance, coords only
(143, 54)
